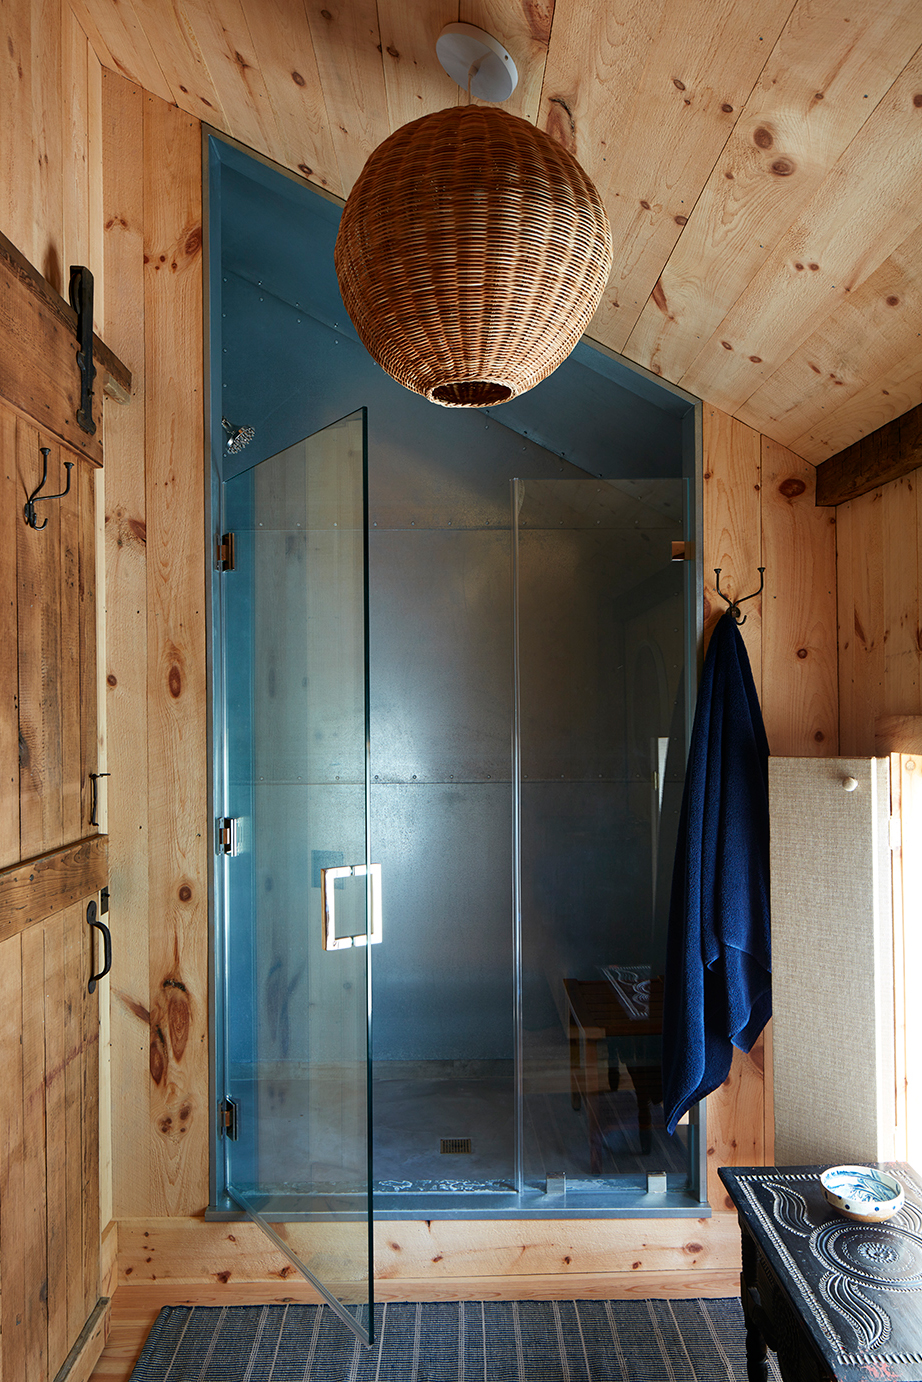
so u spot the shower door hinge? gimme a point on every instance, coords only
(227, 836)
(226, 553)
(229, 1119)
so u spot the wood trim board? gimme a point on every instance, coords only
(891, 452)
(40, 377)
(36, 889)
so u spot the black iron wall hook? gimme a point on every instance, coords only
(735, 604)
(36, 496)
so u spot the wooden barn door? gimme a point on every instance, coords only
(52, 856)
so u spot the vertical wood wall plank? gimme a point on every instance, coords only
(89, 728)
(910, 791)
(74, 96)
(799, 698)
(48, 138)
(177, 782)
(36, 776)
(67, 603)
(901, 591)
(126, 651)
(862, 622)
(13, 1296)
(56, 1151)
(16, 157)
(732, 525)
(34, 1244)
(11, 502)
(732, 541)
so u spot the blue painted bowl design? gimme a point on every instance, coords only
(862, 1193)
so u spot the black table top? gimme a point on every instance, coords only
(857, 1287)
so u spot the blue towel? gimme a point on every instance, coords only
(718, 956)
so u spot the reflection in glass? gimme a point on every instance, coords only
(600, 731)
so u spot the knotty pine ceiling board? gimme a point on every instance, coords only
(827, 73)
(732, 140)
(869, 335)
(865, 207)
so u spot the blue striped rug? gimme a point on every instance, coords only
(456, 1341)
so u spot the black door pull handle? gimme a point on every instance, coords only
(92, 920)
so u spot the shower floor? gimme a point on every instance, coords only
(311, 1137)
(415, 1110)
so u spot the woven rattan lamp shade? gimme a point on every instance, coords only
(472, 252)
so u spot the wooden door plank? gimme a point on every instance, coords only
(14, 1303)
(787, 300)
(177, 751)
(800, 698)
(88, 689)
(828, 71)
(90, 1118)
(39, 655)
(10, 518)
(76, 974)
(354, 90)
(41, 887)
(40, 379)
(126, 655)
(55, 998)
(80, 1363)
(71, 633)
(34, 1244)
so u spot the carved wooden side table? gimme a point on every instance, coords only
(838, 1301)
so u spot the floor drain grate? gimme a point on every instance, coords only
(456, 1144)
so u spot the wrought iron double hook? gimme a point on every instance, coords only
(36, 496)
(735, 604)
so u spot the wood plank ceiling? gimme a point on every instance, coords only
(761, 162)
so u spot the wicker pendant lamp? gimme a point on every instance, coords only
(471, 255)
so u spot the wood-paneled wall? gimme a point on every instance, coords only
(759, 510)
(50, 141)
(155, 657)
(880, 611)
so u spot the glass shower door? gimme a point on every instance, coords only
(302, 898)
(603, 651)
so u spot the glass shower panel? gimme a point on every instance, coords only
(298, 885)
(600, 735)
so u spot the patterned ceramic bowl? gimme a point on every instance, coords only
(862, 1193)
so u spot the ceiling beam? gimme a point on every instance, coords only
(893, 450)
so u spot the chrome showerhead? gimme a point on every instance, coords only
(237, 437)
